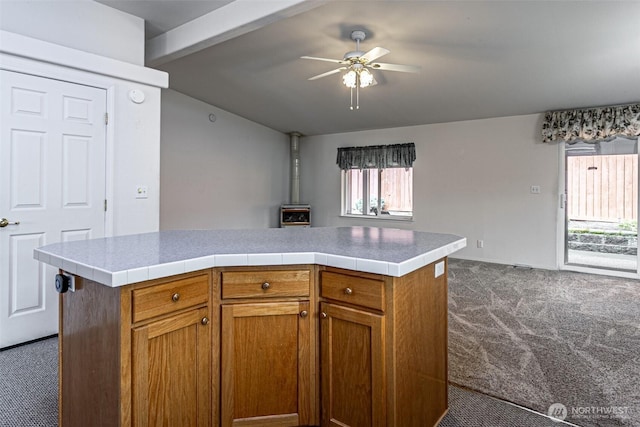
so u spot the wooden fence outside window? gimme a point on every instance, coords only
(602, 188)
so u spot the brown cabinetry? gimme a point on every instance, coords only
(265, 364)
(171, 353)
(383, 348)
(171, 364)
(352, 364)
(265, 283)
(257, 346)
(137, 355)
(153, 301)
(266, 347)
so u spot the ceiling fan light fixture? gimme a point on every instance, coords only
(350, 79)
(357, 77)
(366, 78)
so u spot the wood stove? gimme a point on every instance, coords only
(295, 215)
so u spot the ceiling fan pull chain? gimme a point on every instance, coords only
(357, 91)
(351, 91)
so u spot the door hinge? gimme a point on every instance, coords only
(106, 118)
(105, 205)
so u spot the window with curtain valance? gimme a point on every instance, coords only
(377, 156)
(592, 124)
(377, 181)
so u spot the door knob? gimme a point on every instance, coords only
(4, 222)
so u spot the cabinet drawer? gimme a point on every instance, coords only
(352, 289)
(165, 298)
(260, 284)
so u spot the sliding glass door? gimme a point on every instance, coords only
(601, 205)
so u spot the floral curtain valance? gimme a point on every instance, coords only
(591, 125)
(377, 156)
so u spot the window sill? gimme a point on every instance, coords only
(380, 217)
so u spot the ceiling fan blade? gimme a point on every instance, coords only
(328, 73)
(374, 54)
(335, 61)
(395, 67)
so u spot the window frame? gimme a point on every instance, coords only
(366, 198)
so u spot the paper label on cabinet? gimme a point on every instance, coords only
(440, 269)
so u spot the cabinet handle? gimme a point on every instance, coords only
(266, 285)
(205, 321)
(304, 313)
(175, 297)
(323, 315)
(348, 291)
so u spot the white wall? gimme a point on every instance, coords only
(471, 178)
(80, 24)
(136, 159)
(232, 173)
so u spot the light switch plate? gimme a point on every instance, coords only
(141, 192)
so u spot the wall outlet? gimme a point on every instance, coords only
(141, 192)
(480, 244)
(535, 189)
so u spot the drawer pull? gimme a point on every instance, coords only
(175, 297)
(304, 313)
(205, 321)
(266, 285)
(323, 315)
(348, 291)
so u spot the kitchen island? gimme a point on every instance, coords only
(273, 327)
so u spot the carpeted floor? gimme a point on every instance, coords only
(29, 385)
(538, 337)
(471, 409)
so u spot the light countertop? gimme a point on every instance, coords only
(117, 261)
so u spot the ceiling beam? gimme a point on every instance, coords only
(232, 20)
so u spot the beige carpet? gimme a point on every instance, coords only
(538, 337)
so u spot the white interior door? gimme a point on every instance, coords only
(52, 182)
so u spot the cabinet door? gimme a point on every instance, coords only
(266, 375)
(352, 367)
(171, 370)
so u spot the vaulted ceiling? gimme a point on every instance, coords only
(478, 59)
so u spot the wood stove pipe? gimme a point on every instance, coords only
(294, 142)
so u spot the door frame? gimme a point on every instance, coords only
(562, 227)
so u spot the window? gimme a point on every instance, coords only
(383, 193)
(377, 181)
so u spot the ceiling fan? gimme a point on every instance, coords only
(356, 65)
